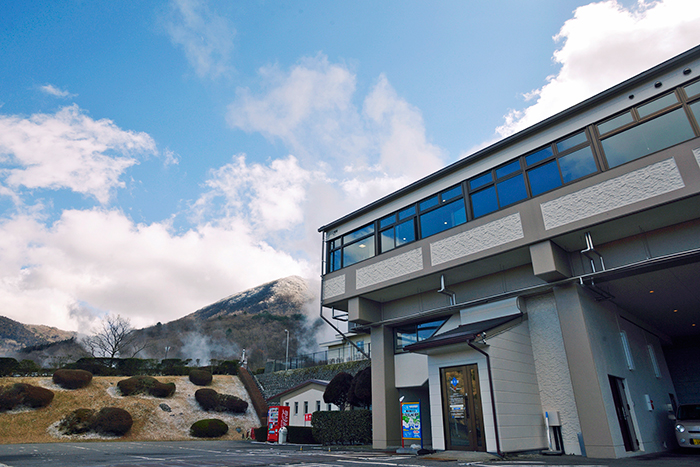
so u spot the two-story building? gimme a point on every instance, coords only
(556, 271)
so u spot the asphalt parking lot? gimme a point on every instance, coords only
(244, 453)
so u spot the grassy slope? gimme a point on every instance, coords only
(151, 423)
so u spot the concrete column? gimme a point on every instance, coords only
(385, 397)
(584, 377)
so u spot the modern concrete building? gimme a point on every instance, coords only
(556, 271)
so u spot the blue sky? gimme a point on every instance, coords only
(158, 156)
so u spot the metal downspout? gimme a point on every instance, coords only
(493, 399)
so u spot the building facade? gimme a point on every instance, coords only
(547, 280)
(303, 400)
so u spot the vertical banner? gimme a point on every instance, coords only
(410, 422)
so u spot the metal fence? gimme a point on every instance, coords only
(347, 353)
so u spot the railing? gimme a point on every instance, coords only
(343, 354)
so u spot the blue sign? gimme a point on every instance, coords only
(410, 420)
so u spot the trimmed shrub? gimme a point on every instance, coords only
(8, 366)
(200, 377)
(227, 367)
(260, 434)
(337, 390)
(24, 394)
(112, 421)
(145, 385)
(76, 422)
(108, 421)
(256, 396)
(209, 428)
(360, 392)
(300, 435)
(346, 427)
(72, 379)
(28, 368)
(175, 366)
(209, 399)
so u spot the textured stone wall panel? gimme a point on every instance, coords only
(406, 263)
(493, 234)
(334, 287)
(639, 185)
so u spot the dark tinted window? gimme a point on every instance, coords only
(544, 178)
(484, 201)
(443, 218)
(577, 164)
(654, 135)
(571, 141)
(511, 190)
(540, 155)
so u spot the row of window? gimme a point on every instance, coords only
(306, 407)
(641, 130)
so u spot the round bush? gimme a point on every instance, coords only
(76, 422)
(145, 385)
(208, 399)
(200, 377)
(209, 428)
(36, 397)
(72, 379)
(112, 421)
(233, 404)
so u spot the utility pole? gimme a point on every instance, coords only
(286, 358)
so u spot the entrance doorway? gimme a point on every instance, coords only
(624, 416)
(461, 408)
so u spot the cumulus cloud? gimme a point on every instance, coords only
(205, 37)
(54, 91)
(95, 261)
(605, 44)
(70, 150)
(367, 149)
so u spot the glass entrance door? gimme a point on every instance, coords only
(461, 403)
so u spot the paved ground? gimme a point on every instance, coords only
(241, 453)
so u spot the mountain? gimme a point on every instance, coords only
(254, 320)
(15, 335)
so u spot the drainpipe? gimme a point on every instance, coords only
(493, 399)
(345, 338)
(445, 291)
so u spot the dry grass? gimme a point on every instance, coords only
(150, 421)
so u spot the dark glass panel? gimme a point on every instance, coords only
(405, 335)
(651, 136)
(480, 181)
(577, 164)
(571, 141)
(484, 201)
(443, 218)
(407, 212)
(452, 193)
(428, 203)
(427, 330)
(405, 232)
(359, 233)
(540, 155)
(614, 123)
(358, 251)
(692, 89)
(331, 245)
(544, 178)
(695, 107)
(334, 261)
(654, 106)
(511, 191)
(508, 169)
(387, 240)
(387, 221)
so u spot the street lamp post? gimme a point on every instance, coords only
(286, 358)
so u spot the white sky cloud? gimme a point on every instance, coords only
(605, 44)
(205, 37)
(52, 90)
(68, 149)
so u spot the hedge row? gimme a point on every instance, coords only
(300, 435)
(152, 367)
(256, 397)
(346, 427)
(10, 366)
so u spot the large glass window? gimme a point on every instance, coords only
(351, 248)
(501, 187)
(440, 212)
(412, 333)
(563, 162)
(650, 136)
(398, 229)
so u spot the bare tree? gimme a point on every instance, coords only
(114, 338)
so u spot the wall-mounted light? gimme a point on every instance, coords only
(687, 71)
(658, 84)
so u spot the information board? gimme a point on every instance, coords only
(410, 422)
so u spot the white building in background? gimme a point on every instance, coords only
(303, 399)
(554, 271)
